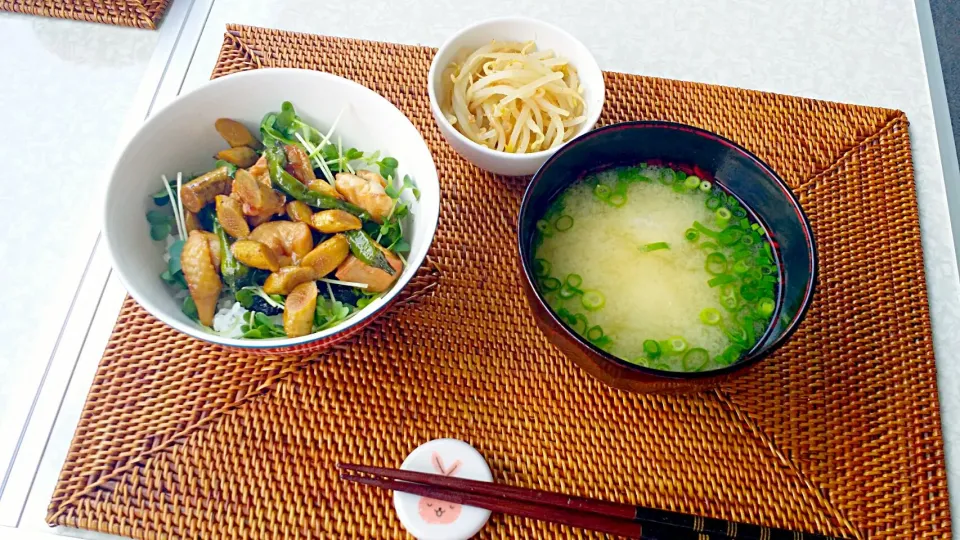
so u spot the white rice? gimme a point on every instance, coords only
(166, 250)
(229, 318)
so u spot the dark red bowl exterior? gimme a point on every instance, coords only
(710, 156)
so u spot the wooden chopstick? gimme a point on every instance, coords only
(569, 510)
(583, 520)
(596, 506)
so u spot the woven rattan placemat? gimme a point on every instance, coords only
(839, 433)
(138, 13)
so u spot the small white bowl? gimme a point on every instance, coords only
(181, 138)
(546, 36)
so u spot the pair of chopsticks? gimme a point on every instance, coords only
(585, 513)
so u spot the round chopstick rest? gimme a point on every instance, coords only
(431, 519)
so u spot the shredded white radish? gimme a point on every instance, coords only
(313, 151)
(177, 217)
(180, 215)
(345, 283)
(510, 97)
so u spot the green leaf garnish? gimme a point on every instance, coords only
(330, 312)
(190, 308)
(175, 250)
(160, 231)
(156, 217)
(245, 297)
(259, 326)
(221, 163)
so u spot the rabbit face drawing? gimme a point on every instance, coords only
(437, 512)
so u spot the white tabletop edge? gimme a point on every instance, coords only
(160, 84)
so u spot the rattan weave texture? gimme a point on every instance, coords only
(138, 13)
(839, 433)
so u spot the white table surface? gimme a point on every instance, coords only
(65, 92)
(858, 51)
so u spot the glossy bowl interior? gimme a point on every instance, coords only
(181, 138)
(546, 36)
(756, 185)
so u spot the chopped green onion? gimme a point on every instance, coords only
(736, 333)
(749, 292)
(563, 223)
(751, 337)
(655, 246)
(692, 235)
(677, 344)
(710, 316)
(662, 366)
(729, 297)
(723, 216)
(603, 343)
(756, 227)
(744, 223)
(729, 355)
(729, 237)
(594, 334)
(704, 230)
(739, 212)
(709, 246)
(746, 240)
(741, 267)
(652, 349)
(767, 270)
(680, 175)
(722, 279)
(567, 316)
(593, 300)
(617, 200)
(759, 326)
(741, 253)
(567, 292)
(641, 361)
(712, 203)
(695, 359)
(602, 192)
(573, 280)
(667, 176)
(628, 174)
(541, 267)
(544, 227)
(765, 307)
(581, 324)
(705, 186)
(716, 263)
(692, 182)
(768, 279)
(550, 284)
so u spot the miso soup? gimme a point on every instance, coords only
(657, 267)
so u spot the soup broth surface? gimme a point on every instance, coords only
(625, 270)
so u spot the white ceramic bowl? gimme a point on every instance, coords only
(546, 36)
(181, 138)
